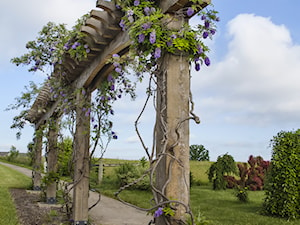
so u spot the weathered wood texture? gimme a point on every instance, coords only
(37, 161)
(172, 132)
(51, 157)
(81, 157)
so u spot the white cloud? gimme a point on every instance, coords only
(21, 21)
(258, 79)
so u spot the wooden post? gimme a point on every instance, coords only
(100, 171)
(172, 132)
(81, 150)
(37, 160)
(52, 159)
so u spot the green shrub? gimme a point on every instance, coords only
(128, 173)
(199, 153)
(242, 193)
(65, 152)
(283, 189)
(225, 165)
(13, 154)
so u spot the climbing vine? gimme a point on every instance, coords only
(152, 35)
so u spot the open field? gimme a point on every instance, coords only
(10, 179)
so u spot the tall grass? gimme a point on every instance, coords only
(10, 178)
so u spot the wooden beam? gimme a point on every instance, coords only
(118, 44)
(171, 6)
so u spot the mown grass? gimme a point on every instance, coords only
(219, 207)
(10, 178)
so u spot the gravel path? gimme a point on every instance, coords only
(108, 211)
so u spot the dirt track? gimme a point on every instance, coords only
(108, 211)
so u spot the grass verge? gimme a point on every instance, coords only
(10, 178)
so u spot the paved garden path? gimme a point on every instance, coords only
(108, 211)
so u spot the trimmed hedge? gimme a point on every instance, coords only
(283, 188)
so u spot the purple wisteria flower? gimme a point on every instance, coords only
(212, 31)
(205, 34)
(118, 70)
(203, 17)
(157, 53)
(115, 55)
(197, 66)
(136, 2)
(130, 12)
(141, 38)
(158, 212)
(87, 49)
(146, 26)
(110, 78)
(114, 136)
(66, 46)
(88, 112)
(199, 49)
(37, 62)
(206, 23)
(207, 61)
(152, 37)
(190, 11)
(116, 64)
(147, 11)
(75, 45)
(122, 24)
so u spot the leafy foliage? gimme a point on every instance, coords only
(199, 153)
(13, 154)
(242, 193)
(30, 152)
(24, 101)
(252, 174)
(65, 156)
(283, 189)
(128, 174)
(225, 165)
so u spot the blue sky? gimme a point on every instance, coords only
(248, 94)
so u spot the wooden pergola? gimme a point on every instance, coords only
(105, 38)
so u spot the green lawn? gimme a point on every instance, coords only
(10, 179)
(219, 207)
